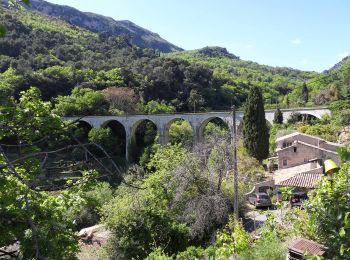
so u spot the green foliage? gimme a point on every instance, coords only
(305, 93)
(173, 207)
(142, 219)
(2, 30)
(255, 130)
(266, 248)
(344, 153)
(209, 79)
(109, 78)
(232, 240)
(234, 75)
(196, 100)
(277, 130)
(339, 106)
(41, 222)
(294, 118)
(344, 119)
(154, 107)
(95, 198)
(82, 102)
(180, 132)
(328, 132)
(105, 138)
(330, 212)
(141, 147)
(9, 81)
(44, 23)
(216, 130)
(158, 254)
(30, 119)
(192, 252)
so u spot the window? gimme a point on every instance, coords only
(306, 160)
(295, 149)
(285, 162)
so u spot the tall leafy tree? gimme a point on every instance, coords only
(35, 218)
(255, 130)
(278, 116)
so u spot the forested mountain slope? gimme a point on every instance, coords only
(57, 56)
(101, 24)
(234, 73)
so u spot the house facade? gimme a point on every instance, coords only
(299, 149)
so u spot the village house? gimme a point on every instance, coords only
(297, 149)
(300, 159)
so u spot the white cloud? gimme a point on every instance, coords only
(342, 55)
(296, 41)
(249, 46)
(304, 61)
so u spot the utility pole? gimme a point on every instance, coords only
(235, 168)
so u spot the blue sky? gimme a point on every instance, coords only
(302, 34)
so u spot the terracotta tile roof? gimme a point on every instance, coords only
(303, 180)
(302, 246)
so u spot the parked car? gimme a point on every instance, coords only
(260, 200)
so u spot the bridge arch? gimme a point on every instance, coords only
(82, 130)
(222, 122)
(181, 129)
(300, 117)
(143, 134)
(119, 132)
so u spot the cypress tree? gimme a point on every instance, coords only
(305, 93)
(278, 116)
(255, 129)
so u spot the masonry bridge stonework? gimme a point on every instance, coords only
(198, 121)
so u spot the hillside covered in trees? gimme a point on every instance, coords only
(56, 57)
(280, 85)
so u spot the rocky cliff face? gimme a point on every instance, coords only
(106, 25)
(338, 65)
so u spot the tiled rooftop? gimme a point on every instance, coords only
(303, 180)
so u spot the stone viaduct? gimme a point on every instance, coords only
(198, 121)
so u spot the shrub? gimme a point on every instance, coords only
(172, 208)
(95, 198)
(328, 132)
(181, 132)
(266, 248)
(154, 107)
(105, 138)
(232, 240)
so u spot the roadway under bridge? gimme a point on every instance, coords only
(198, 121)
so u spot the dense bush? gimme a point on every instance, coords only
(82, 102)
(104, 137)
(172, 207)
(329, 203)
(328, 132)
(154, 107)
(95, 198)
(181, 132)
